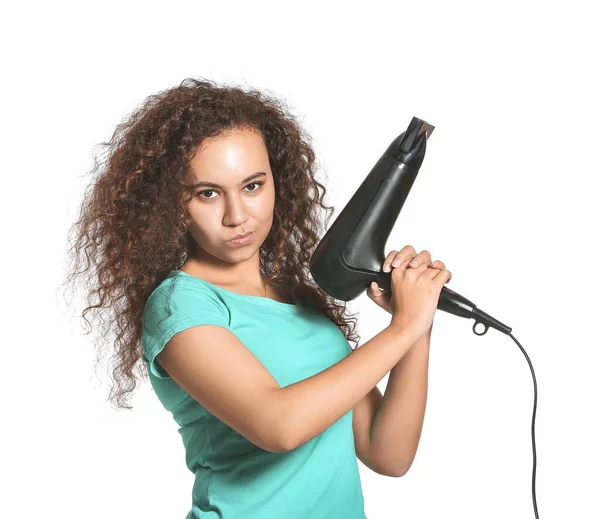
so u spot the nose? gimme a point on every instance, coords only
(235, 212)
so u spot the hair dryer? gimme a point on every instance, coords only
(351, 253)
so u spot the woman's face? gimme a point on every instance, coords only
(241, 199)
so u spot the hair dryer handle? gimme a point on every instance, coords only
(454, 303)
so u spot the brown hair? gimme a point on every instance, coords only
(131, 227)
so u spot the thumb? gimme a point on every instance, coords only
(373, 291)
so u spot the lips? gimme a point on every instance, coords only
(240, 236)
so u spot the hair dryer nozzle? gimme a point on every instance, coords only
(411, 142)
(414, 130)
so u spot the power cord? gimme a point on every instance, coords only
(532, 425)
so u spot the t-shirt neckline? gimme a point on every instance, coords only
(267, 301)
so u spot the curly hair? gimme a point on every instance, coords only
(130, 232)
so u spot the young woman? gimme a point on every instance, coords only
(201, 225)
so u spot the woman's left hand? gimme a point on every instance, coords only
(383, 299)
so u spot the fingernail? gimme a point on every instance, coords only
(387, 268)
(413, 263)
(396, 262)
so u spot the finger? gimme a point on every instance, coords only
(435, 273)
(374, 290)
(375, 293)
(402, 267)
(438, 264)
(395, 258)
(424, 257)
(388, 260)
(418, 270)
(447, 275)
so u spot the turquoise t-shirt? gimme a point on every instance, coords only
(234, 478)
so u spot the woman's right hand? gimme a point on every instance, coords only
(416, 293)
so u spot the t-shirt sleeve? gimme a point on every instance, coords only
(169, 311)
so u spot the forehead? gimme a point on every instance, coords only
(230, 150)
(229, 158)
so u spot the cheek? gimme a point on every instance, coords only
(205, 225)
(265, 205)
(260, 210)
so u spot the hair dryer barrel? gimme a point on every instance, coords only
(351, 253)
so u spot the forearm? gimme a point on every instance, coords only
(396, 428)
(310, 406)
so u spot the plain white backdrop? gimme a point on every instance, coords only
(507, 197)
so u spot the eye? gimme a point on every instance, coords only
(213, 191)
(257, 183)
(207, 191)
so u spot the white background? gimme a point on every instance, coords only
(507, 197)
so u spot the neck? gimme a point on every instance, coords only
(219, 276)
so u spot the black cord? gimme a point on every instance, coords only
(532, 425)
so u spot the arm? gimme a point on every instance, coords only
(398, 423)
(310, 406)
(232, 384)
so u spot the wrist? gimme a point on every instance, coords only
(402, 327)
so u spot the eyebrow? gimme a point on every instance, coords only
(212, 184)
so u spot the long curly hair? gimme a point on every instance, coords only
(130, 231)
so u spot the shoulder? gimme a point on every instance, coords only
(185, 296)
(174, 305)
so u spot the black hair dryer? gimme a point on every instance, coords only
(351, 254)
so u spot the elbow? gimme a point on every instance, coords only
(274, 439)
(396, 472)
(283, 447)
(291, 433)
(286, 439)
(281, 441)
(280, 435)
(279, 444)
